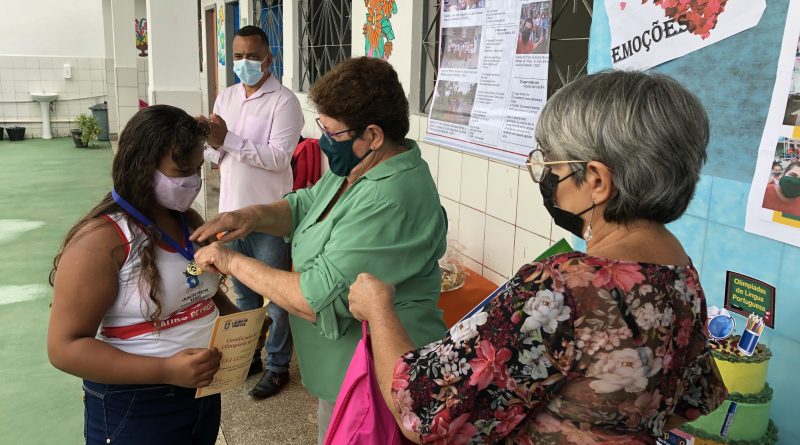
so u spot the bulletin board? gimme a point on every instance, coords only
(733, 78)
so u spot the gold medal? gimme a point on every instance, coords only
(193, 269)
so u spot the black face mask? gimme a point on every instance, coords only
(564, 219)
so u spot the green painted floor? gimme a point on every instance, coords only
(45, 186)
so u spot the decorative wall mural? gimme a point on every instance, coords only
(141, 36)
(378, 28)
(221, 36)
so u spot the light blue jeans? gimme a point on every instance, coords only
(274, 252)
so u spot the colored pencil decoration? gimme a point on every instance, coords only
(752, 333)
(728, 419)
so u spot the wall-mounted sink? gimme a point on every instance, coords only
(45, 99)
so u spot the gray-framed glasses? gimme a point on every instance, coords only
(327, 134)
(538, 167)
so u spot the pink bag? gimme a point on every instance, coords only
(361, 416)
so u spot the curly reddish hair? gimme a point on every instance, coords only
(363, 91)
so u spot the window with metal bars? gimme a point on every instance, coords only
(569, 42)
(325, 37)
(268, 15)
(429, 52)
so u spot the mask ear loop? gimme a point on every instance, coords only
(587, 235)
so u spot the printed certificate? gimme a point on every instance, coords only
(235, 336)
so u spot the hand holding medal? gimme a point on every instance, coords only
(215, 257)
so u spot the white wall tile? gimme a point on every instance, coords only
(6, 61)
(558, 233)
(98, 88)
(22, 96)
(18, 62)
(45, 62)
(97, 63)
(471, 231)
(493, 276)
(527, 246)
(35, 111)
(57, 72)
(449, 176)
(125, 114)
(413, 130)
(7, 86)
(96, 75)
(474, 172)
(33, 74)
(423, 126)
(128, 96)
(85, 87)
(127, 77)
(73, 87)
(6, 73)
(453, 211)
(32, 62)
(84, 63)
(21, 86)
(84, 74)
(501, 192)
(474, 266)
(430, 153)
(531, 213)
(498, 246)
(35, 86)
(46, 74)
(20, 74)
(23, 112)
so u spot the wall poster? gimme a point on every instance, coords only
(773, 207)
(492, 81)
(647, 33)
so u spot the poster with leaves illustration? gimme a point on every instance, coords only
(378, 30)
(646, 33)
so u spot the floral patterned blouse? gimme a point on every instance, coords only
(576, 350)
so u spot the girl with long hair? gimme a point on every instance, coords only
(131, 314)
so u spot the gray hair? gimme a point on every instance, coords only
(650, 130)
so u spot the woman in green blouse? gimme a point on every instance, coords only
(376, 210)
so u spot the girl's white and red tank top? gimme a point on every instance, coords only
(187, 310)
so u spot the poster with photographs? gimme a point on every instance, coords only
(492, 80)
(773, 207)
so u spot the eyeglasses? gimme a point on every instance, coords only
(327, 134)
(538, 167)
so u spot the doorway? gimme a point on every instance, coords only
(211, 57)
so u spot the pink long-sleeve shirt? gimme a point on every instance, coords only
(255, 157)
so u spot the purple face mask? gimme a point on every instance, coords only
(176, 193)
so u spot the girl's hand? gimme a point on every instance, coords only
(369, 297)
(192, 368)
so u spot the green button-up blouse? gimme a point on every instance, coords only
(389, 223)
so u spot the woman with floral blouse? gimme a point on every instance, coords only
(609, 346)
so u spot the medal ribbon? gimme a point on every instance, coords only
(187, 252)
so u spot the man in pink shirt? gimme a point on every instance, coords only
(254, 131)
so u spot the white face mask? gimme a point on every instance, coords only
(176, 193)
(249, 71)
